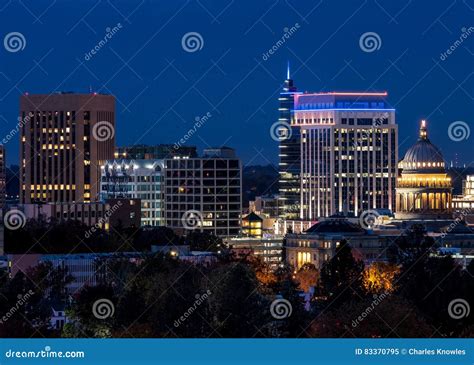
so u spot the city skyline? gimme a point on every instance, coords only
(160, 102)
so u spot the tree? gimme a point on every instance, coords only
(307, 277)
(379, 277)
(341, 276)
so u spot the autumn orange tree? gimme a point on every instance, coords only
(379, 277)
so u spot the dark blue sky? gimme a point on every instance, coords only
(161, 88)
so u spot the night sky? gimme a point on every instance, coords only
(160, 88)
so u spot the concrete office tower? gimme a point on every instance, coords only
(349, 153)
(64, 139)
(205, 193)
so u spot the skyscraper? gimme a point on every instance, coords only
(289, 152)
(64, 139)
(349, 153)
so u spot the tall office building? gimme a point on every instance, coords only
(289, 152)
(65, 138)
(155, 152)
(204, 193)
(139, 179)
(349, 153)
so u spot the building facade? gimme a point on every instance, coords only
(349, 153)
(424, 189)
(64, 139)
(289, 153)
(138, 179)
(204, 193)
(156, 152)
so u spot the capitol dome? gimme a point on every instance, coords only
(423, 156)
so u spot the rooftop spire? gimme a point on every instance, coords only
(288, 71)
(423, 130)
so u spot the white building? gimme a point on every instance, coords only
(141, 179)
(349, 153)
